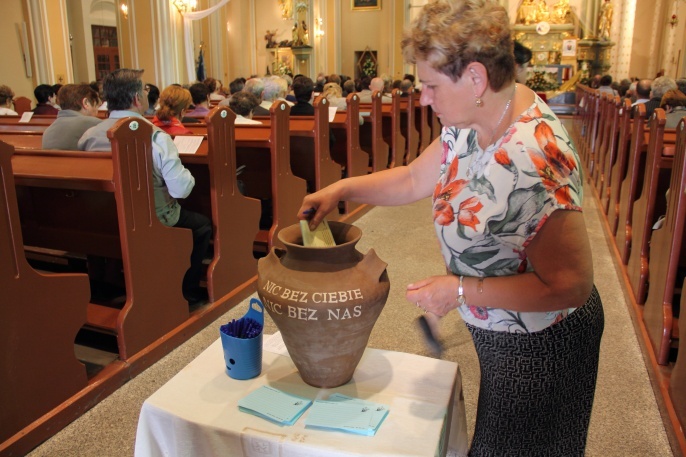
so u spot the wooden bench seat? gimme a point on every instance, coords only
(371, 134)
(39, 319)
(102, 204)
(632, 183)
(422, 120)
(666, 256)
(408, 128)
(391, 130)
(615, 165)
(649, 206)
(310, 147)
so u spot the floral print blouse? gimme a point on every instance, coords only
(488, 205)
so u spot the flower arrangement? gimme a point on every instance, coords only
(369, 68)
(279, 67)
(541, 81)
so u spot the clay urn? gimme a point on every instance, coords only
(325, 301)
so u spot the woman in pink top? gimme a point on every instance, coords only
(174, 101)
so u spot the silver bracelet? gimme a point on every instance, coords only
(461, 298)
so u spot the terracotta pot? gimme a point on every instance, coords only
(324, 301)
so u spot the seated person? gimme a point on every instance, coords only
(153, 97)
(243, 104)
(123, 89)
(255, 86)
(46, 98)
(215, 87)
(79, 113)
(674, 104)
(405, 86)
(522, 57)
(56, 89)
(201, 100)
(174, 101)
(334, 94)
(6, 100)
(236, 85)
(303, 88)
(348, 87)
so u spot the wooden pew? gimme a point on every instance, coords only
(601, 141)
(408, 128)
(103, 204)
(371, 134)
(38, 119)
(309, 146)
(631, 184)
(266, 156)
(609, 153)
(609, 142)
(214, 195)
(649, 205)
(666, 257)
(677, 380)
(39, 319)
(391, 128)
(347, 151)
(235, 217)
(616, 165)
(422, 122)
(595, 133)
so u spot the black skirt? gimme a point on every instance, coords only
(536, 391)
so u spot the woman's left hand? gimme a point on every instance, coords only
(436, 294)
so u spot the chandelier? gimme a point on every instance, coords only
(185, 5)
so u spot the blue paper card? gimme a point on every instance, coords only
(274, 405)
(347, 414)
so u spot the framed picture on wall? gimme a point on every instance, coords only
(569, 48)
(366, 5)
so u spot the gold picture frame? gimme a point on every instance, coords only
(365, 5)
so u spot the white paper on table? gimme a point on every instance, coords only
(332, 113)
(188, 144)
(275, 344)
(26, 116)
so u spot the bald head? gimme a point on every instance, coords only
(376, 84)
(643, 88)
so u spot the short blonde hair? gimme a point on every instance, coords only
(451, 34)
(332, 90)
(173, 100)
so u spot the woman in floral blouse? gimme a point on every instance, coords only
(506, 184)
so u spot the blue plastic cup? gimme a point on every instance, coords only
(243, 355)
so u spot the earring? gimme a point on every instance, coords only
(479, 102)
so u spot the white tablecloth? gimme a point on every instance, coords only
(196, 413)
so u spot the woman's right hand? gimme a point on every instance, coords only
(317, 205)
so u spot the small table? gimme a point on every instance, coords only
(196, 412)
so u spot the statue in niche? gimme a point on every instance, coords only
(605, 20)
(561, 13)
